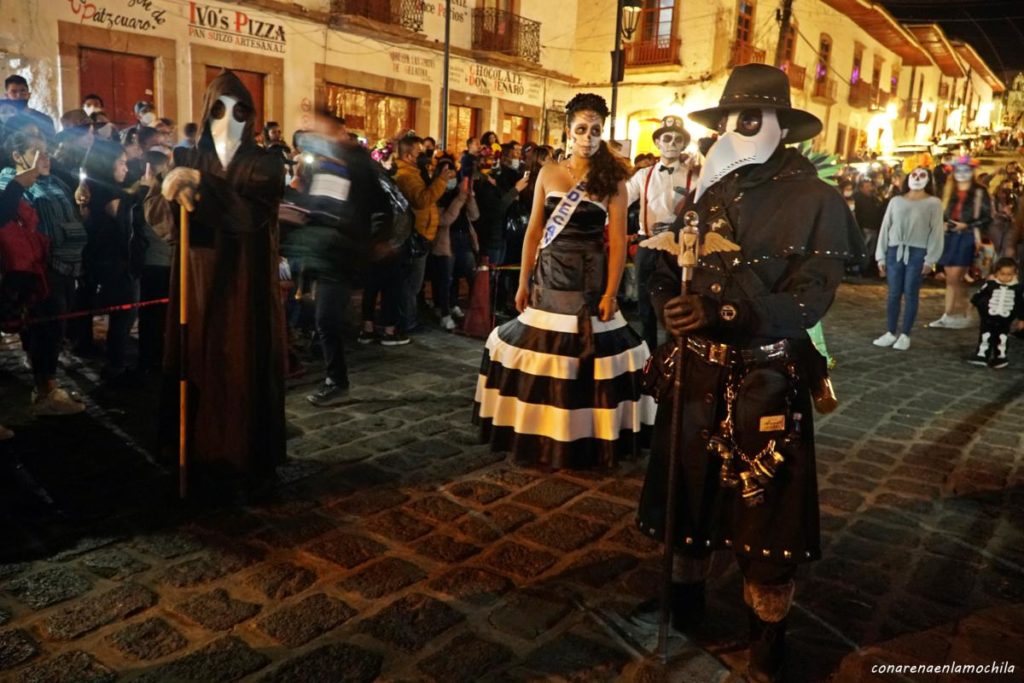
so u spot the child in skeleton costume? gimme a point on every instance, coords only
(999, 303)
(561, 385)
(662, 190)
(233, 189)
(773, 242)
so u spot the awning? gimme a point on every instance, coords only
(971, 56)
(942, 52)
(884, 28)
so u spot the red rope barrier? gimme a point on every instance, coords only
(19, 324)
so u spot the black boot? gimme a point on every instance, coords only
(686, 608)
(688, 603)
(767, 649)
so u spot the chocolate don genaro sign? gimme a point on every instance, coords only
(235, 27)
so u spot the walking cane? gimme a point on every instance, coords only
(688, 238)
(183, 355)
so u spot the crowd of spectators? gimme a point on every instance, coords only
(86, 198)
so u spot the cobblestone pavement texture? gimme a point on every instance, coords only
(397, 548)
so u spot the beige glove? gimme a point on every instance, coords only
(180, 186)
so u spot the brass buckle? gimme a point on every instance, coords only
(718, 354)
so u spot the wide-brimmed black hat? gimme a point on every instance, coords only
(672, 124)
(759, 86)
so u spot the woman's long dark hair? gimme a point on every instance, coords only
(606, 169)
(541, 153)
(99, 171)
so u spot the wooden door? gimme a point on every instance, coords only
(121, 79)
(515, 128)
(253, 82)
(462, 125)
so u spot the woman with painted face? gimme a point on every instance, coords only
(561, 385)
(909, 244)
(968, 213)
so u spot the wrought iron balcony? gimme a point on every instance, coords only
(797, 75)
(824, 90)
(663, 50)
(405, 13)
(861, 94)
(745, 53)
(500, 31)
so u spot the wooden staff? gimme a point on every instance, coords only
(183, 240)
(688, 238)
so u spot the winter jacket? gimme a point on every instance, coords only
(422, 197)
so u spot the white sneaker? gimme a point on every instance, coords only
(447, 323)
(887, 339)
(902, 343)
(57, 402)
(457, 312)
(959, 322)
(941, 322)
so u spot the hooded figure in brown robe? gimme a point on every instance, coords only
(234, 352)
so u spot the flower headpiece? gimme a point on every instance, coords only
(922, 160)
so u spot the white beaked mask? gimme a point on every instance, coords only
(918, 179)
(585, 133)
(747, 137)
(226, 128)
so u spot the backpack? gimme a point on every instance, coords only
(392, 230)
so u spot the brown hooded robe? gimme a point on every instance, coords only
(234, 360)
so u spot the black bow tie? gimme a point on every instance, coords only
(667, 169)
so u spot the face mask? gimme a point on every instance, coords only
(963, 175)
(148, 119)
(451, 185)
(226, 129)
(586, 133)
(918, 179)
(514, 164)
(90, 109)
(670, 145)
(848, 193)
(748, 137)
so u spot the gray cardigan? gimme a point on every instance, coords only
(912, 223)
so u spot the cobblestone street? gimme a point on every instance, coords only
(399, 549)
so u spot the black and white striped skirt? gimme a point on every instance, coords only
(555, 396)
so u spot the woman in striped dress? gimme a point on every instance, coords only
(560, 386)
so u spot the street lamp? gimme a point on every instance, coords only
(627, 18)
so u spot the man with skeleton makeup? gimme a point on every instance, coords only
(661, 190)
(235, 362)
(774, 239)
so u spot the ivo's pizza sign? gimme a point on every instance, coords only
(235, 27)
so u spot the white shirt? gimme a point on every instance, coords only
(664, 193)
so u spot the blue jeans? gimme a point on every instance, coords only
(904, 280)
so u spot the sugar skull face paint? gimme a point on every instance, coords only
(918, 179)
(585, 132)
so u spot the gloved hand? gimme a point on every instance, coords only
(689, 313)
(180, 186)
(284, 270)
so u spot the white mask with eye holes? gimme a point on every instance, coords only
(918, 179)
(585, 133)
(747, 137)
(226, 129)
